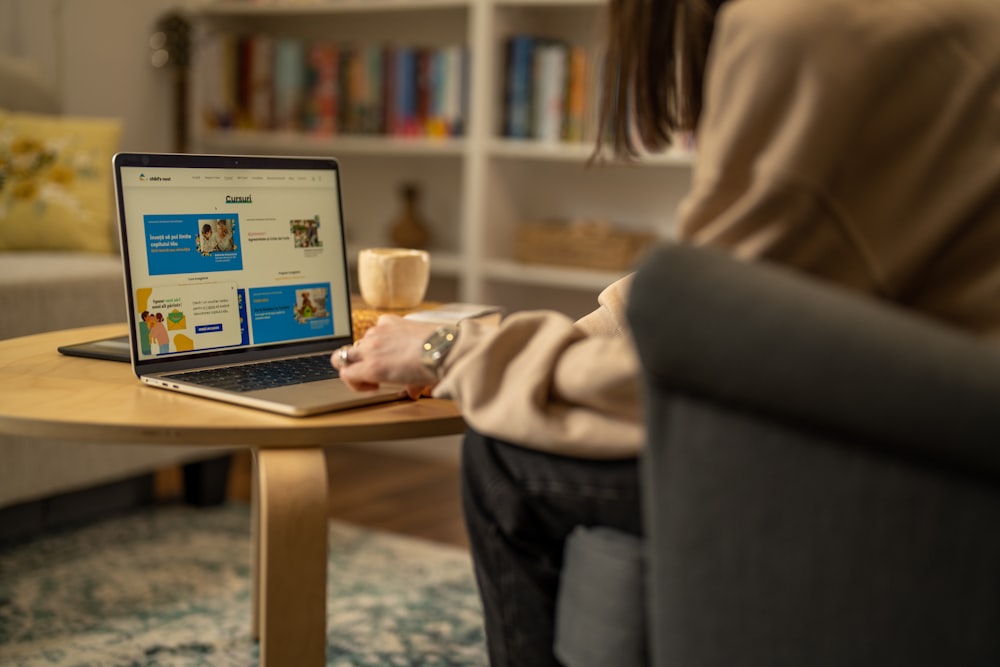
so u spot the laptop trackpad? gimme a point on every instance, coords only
(325, 396)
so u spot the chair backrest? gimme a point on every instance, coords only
(778, 342)
(23, 88)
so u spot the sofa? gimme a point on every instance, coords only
(821, 483)
(67, 279)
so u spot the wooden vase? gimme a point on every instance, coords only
(409, 230)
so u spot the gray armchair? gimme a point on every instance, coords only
(820, 483)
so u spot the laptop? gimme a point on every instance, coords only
(236, 278)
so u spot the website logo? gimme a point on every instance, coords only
(239, 199)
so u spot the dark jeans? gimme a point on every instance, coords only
(520, 505)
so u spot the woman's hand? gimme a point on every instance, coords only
(389, 353)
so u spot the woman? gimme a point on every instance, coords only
(224, 237)
(856, 141)
(158, 333)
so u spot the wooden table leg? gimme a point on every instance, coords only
(254, 550)
(291, 550)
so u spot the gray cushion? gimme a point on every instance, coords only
(46, 291)
(24, 88)
(600, 616)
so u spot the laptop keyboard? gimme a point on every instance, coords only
(262, 375)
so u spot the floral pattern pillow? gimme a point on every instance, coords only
(56, 189)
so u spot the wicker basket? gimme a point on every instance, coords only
(364, 317)
(593, 244)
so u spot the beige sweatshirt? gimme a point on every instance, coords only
(855, 140)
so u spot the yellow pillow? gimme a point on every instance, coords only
(55, 182)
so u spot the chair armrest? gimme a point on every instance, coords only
(767, 340)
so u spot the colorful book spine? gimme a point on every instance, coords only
(211, 63)
(452, 103)
(350, 89)
(262, 83)
(436, 124)
(550, 89)
(518, 87)
(331, 88)
(423, 89)
(324, 89)
(592, 104)
(576, 95)
(366, 74)
(405, 117)
(289, 84)
(389, 90)
(243, 77)
(549, 94)
(228, 59)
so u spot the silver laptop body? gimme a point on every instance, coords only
(233, 264)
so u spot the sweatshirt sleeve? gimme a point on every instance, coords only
(544, 381)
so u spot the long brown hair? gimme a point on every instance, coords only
(654, 72)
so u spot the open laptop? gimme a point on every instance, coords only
(237, 279)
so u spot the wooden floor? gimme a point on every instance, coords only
(376, 489)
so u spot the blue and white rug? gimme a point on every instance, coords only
(170, 587)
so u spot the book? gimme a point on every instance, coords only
(576, 95)
(351, 88)
(329, 88)
(261, 81)
(549, 93)
(518, 86)
(370, 104)
(323, 81)
(423, 89)
(389, 90)
(404, 118)
(289, 84)
(592, 100)
(242, 78)
(453, 313)
(211, 61)
(435, 87)
(452, 103)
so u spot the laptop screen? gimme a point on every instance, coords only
(225, 254)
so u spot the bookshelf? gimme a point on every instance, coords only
(477, 185)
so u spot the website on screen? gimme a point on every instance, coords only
(222, 258)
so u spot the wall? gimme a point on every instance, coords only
(97, 54)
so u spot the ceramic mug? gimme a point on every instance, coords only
(393, 278)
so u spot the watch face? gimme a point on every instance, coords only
(436, 348)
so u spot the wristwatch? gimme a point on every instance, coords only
(436, 348)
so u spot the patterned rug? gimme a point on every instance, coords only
(170, 587)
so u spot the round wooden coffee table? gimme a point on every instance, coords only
(47, 395)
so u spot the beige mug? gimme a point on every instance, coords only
(393, 278)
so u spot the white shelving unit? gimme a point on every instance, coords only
(475, 189)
